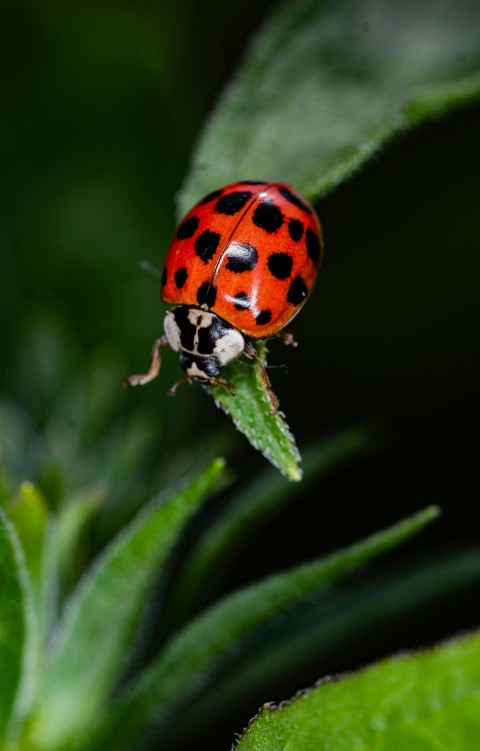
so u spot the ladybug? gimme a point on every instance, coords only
(241, 265)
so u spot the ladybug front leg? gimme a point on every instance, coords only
(153, 371)
(250, 352)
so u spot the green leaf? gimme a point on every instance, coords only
(15, 615)
(325, 84)
(252, 413)
(323, 87)
(420, 702)
(365, 610)
(195, 657)
(213, 554)
(102, 618)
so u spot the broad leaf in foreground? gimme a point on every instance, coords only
(194, 657)
(104, 613)
(421, 702)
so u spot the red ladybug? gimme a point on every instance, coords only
(240, 267)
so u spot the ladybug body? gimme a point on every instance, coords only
(240, 267)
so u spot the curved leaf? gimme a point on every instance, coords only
(327, 83)
(424, 702)
(103, 615)
(212, 556)
(194, 657)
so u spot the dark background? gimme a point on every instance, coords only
(101, 104)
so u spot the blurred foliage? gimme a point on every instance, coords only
(101, 103)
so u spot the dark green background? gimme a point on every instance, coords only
(101, 103)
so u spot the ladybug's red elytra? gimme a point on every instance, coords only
(241, 265)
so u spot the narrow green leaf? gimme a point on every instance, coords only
(421, 702)
(211, 557)
(251, 412)
(327, 83)
(102, 617)
(360, 612)
(196, 656)
(28, 511)
(14, 623)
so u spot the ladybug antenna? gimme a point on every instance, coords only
(149, 268)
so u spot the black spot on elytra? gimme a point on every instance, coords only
(181, 276)
(207, 294)
(164, 277)
(186, 327)
(211, 196)
(241, 257)
(206, 244)
(313, 245)
(297, 291)
(280, 265)
(231, 203)
(209, 335)
(292, 198)
(241, 301)
(188, 228)
(268, 216)
(263, 317)
(295, 229)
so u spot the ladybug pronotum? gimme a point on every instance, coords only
(241, 265)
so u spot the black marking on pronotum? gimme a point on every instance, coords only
(185, 326)
(241, 301)
(265, 316)
(313, 245)
(241, 257)
(188, 228)
(292, 198)
(206, 244)
(267, 216)
(181, 276)
(280, 265)
(297, 291)
(295, 229)
(207, 294)
(211, 196)
(232, 203)
(209, 335)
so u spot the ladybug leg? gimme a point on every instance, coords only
(287, 339)
(252, 354)
(224, 384)
(188, 379)
(140, 379)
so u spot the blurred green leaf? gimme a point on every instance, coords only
(28, 511)
(326, 84)
(15, 619)
(216, 550)
(421, 702)
(252, 413)
(196, 655)
(102, 617)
